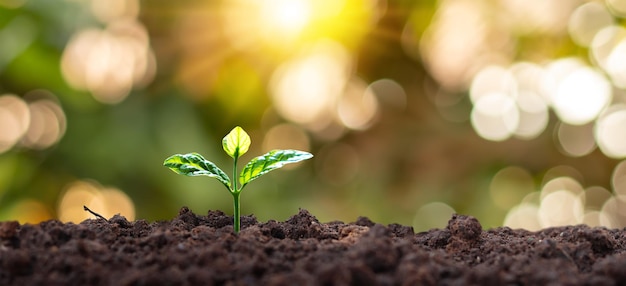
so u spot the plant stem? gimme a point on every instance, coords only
(236, 223)
(236, 193)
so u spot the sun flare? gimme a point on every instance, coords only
(286, 17)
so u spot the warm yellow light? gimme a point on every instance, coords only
(105, 201)
(287, 17)
(109, 63)
(287, 25)
(305, 90)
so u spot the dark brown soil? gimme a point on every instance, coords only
(203, 250)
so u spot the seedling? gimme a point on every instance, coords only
(236, 143)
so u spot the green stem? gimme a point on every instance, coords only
(236, 223)
(236, 193)
(235, 178)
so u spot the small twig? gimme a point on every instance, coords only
(94, 213)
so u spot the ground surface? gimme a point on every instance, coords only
(203, 250)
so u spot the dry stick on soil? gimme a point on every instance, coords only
(94, 213)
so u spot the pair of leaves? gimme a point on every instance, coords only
(235, 144)
(193, 164)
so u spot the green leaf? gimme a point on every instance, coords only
(193, 164)
(270, 161)
(236, 143)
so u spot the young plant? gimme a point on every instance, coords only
(236, 143)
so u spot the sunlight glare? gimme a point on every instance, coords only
(287, 17)
(287, 26)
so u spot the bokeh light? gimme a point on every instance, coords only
(575, 140)
(595, 197)
(432, 215)
(509, 186)
(47, 124)
(495, 116)
(618, 180)
(509, 102)
(286, 136)
(14, 120)
(306, 89)
(104, 201)
(581, 95)
(357, 107)
(563, 201)
(560, 208)
(613, 214)
(609, 132)
(28, 211)
(587, 20)
(524, 215)
(108, 11)
(389, 93)
(36, 123)
(109, 63)
(537, 16)
(452, 54)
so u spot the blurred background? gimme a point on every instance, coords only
(513, 111)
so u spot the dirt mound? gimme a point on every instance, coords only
(203, 250)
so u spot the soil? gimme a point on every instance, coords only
(203, 250)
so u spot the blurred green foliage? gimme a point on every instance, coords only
(203, 85)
